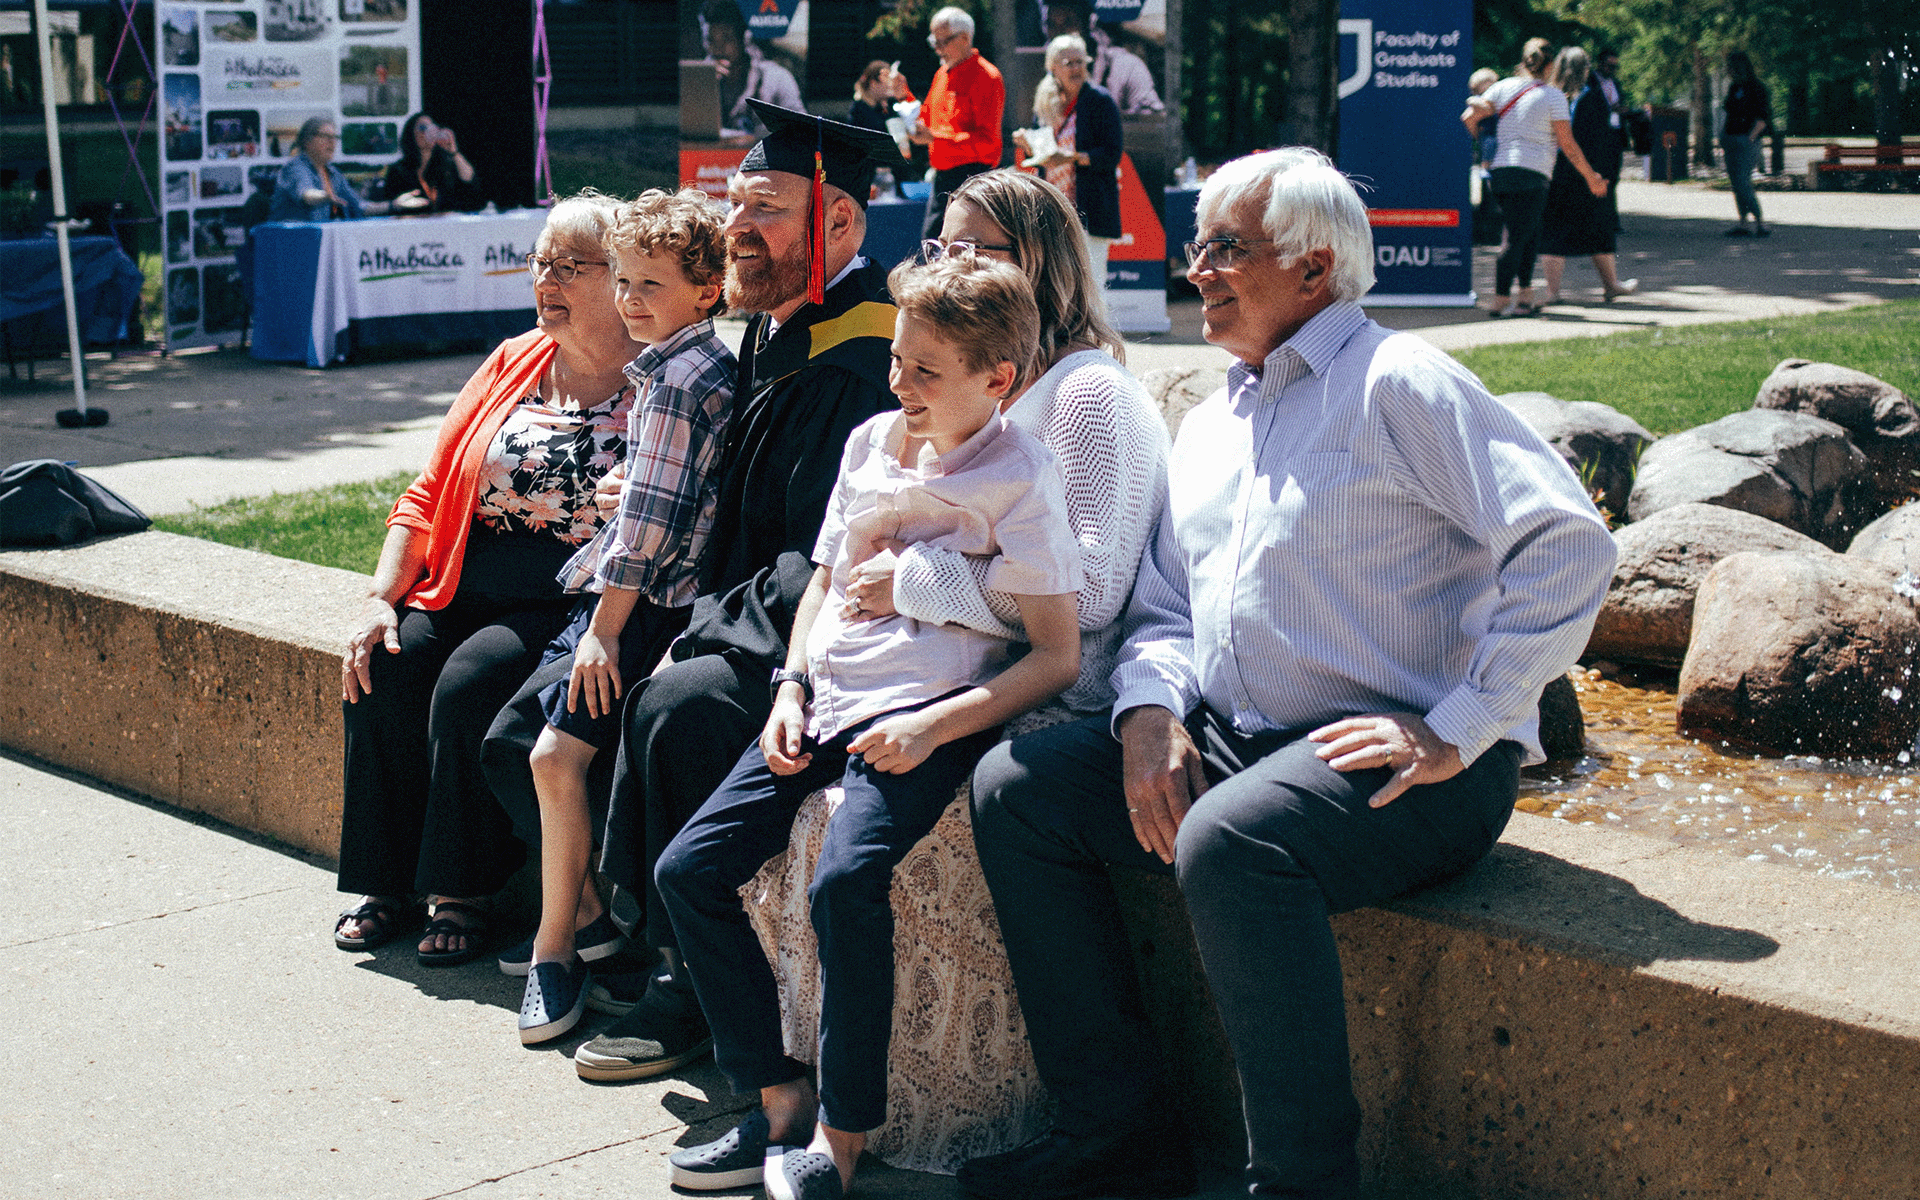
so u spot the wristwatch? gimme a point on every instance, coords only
(783, 675)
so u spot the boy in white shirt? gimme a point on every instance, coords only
(895, 710)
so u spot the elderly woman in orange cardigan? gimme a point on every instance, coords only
(465, 599)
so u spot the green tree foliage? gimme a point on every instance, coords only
(1233, 77)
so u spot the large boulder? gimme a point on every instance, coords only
(1802, 654)
(1647, 616)
(1893, 540)
(1601, 443)
(1177, 389)
(1799, 470)
(1880, 418)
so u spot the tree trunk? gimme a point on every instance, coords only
(1702, 109)
(1313, 66)
(1884, 70)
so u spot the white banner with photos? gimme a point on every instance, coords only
(236, 81)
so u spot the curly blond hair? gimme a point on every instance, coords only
(687, 224)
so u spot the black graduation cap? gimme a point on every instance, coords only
(847, 153)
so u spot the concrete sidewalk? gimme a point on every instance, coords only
(186, 1029)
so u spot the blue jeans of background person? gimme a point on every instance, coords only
(1743, 155)
(736, 831)
(1523, 198)
(1280, 842)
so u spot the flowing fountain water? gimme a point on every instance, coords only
(1846, 819)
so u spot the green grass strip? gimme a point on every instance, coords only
(1677, 377)
(341, 525)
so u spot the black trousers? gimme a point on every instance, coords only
(943, 184)
(1523, 201)
(416, 814)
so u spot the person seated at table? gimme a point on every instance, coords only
(432, 175)
(310, 187)
(895, 710)
(464, 599)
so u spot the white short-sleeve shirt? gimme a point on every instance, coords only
(1526, 129)
(998, 495)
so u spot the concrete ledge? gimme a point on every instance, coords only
(1588, 1013)
(195, 673)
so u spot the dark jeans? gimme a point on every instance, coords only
(748, 821)
(1280, 842)
(943, 184)
(416, 814)
(1523, 198)
(542, 700)
(1743, 156)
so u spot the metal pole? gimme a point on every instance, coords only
(43, 35)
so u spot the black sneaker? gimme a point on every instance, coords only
(663, 1030)
(616, 995)
(1062, 1166)
(733, 1160)
(791, 1173)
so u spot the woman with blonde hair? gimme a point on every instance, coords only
(1534, 122)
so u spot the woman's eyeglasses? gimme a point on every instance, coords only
(1222, 253)
(562, 269)
(933, 249)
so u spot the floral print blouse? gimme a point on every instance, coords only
(544, 463)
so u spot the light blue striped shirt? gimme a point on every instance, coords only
(1360, 527)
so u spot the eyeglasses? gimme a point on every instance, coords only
(933, 249)
(1222, 253)
(1069, 62)
(562, 269)
(936, 41)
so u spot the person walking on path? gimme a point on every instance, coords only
(1533, 123)
(1749, 116)
(1577, 221)
(960, 122)
(1366, 571)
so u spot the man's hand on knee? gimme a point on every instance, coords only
(1400, 742)
(1163, 774)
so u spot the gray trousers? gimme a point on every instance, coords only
(1280, 842)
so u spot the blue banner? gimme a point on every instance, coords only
(768, 19)
(1403, 84)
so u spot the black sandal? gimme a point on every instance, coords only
(379, 922)
(474, 929)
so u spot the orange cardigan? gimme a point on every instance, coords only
(440, 502)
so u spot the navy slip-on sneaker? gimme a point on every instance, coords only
(555, 998)
(791, 1173)
(597, 939)
(733, 1160)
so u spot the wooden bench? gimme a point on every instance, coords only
(1865, 168)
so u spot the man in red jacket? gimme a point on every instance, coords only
(960, 121)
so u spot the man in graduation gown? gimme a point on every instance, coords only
(816, 352)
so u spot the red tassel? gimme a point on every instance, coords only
(817, 260)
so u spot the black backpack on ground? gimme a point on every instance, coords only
(45, 502)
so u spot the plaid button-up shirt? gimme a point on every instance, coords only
(674, 435)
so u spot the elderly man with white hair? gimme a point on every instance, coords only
(1366, 572)
(960, 122)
